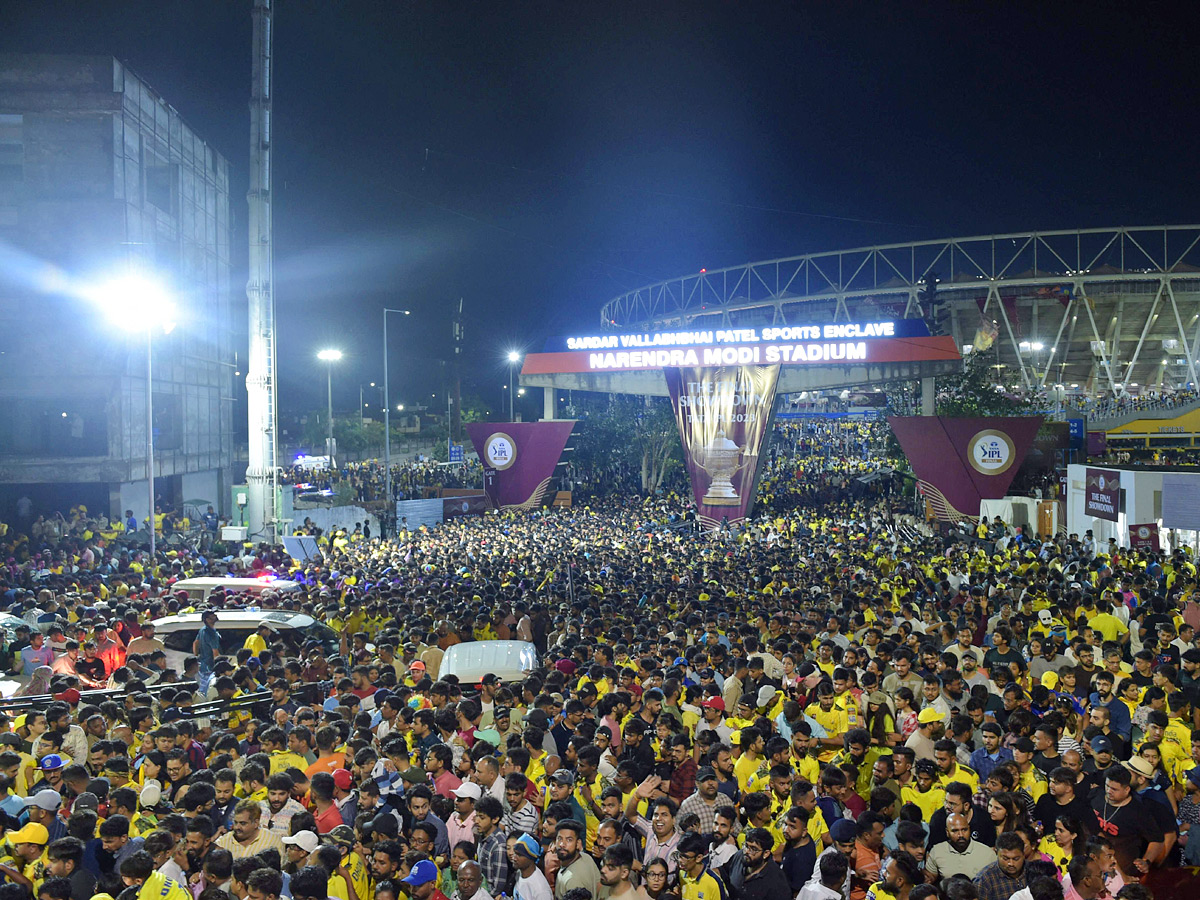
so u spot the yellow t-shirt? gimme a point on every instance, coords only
(929, 802)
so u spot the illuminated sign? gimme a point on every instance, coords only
(830, 343)
(785, 333)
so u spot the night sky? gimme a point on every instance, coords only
(537, 159)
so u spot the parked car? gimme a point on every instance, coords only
(199, 589)
(507, 660)
(178, 633)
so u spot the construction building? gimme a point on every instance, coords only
(100, 175)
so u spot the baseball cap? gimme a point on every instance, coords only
(50, 761)
(843, 831)
(31, 833)
(417, 666)
(468, 789)
(383, 823)
(713, 703)
(343, 779)
(1193, 775)
(70, 695)
(878, 697)
(305, 840)
(1101, 745)
(766, 694)
(86, 800)
(562, 776)
(929, 714)
(706, 773)
(422, 873)
(530, 847)
(343, 835)
(48, 800)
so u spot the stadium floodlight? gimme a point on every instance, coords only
(140, 303)
(329, 357)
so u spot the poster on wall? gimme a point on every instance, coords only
(1102, 494)
(724, 415)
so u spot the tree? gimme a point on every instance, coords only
(631, 436)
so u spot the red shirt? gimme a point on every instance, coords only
(445, 784)
(329, 820)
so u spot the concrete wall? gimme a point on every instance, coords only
(1143, 504)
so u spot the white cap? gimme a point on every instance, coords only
(305, 840)
(468, 789)
(151, 794)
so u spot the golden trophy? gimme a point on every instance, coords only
(720, 460)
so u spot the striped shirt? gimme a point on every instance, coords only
(264, 840)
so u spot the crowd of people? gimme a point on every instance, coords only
(815, 704)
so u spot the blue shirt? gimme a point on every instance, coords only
(1118, 714)
(984, 763)
(210, 647)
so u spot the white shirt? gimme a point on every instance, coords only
(535, 887)
(814, 890)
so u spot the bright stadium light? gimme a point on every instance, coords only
(329, 355)
(1037, 346)
(142, 304)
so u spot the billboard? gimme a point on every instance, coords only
(518, 459)
(723, 414)
(1102, 494)
(959, 462)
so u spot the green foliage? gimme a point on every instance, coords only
(640, 436)
(973, 392)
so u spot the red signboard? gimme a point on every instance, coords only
(962, 461)
(1144, 537)
(1102, 494)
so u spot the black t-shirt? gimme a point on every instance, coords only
(1048, 809)
(1129, 828)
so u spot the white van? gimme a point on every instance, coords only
(198, 589)
(178, 633)
(507, 660)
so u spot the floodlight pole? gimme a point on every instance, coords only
(150, 437)
(387, 408)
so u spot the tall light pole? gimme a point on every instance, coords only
(513, 358)
(329, 357)
(387, 407)
(137, 303)
(362, 405)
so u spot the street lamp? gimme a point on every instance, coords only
(137, 303)
(361, 404)
(513, 358)
(387, 407)
(329, 357)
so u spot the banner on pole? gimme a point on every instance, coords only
(1144, 537)
(518, 459)
(959, 462)
(724, 415)
(1102, 494)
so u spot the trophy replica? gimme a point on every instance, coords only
(720, 460)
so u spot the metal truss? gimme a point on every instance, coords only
(1101, 309)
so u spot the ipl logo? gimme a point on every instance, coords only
(500, 450)
(992, 452)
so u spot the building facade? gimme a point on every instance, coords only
(100, 178)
